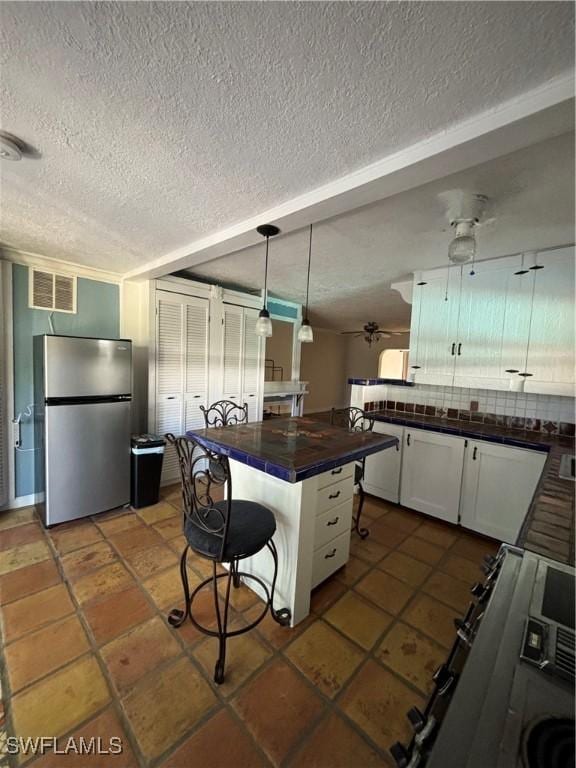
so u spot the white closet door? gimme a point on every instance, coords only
(232, 353)
(196, 362)
(181, 369)
(252, 365)
(169, 375)
(4, 439)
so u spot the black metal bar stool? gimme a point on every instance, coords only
(224, 532)
(356, 420)
(224, 413)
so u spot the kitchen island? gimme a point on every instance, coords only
(303, 470)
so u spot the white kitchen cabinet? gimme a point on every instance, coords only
(182, 341)
(432, 473)
(382, 469)
(508, 326)
(436, 299)
(498, 485)
(551, 362)
(493, 324)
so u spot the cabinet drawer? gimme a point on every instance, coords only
(335, 475)
(332, 523)
(333, 495)
(330, 557)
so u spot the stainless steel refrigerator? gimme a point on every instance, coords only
(83, 393)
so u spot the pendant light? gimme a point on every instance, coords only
(264, 324)
(305, 334)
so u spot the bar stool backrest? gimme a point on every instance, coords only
(225, 413)
(354, 419)
(202, 471)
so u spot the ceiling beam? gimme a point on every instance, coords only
(534, 116)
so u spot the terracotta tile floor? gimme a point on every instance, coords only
(87, 650)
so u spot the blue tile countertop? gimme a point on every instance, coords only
(375, 382)
(292, 449)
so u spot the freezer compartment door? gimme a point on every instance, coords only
(76, 367)
(87, 458)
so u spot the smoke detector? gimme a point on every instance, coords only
(9, 149)
(465, 209)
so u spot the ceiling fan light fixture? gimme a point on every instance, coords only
(463, 246)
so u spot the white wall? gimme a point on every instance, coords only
(279, 349)
(323, 365)
(362, 360)
(135, 324)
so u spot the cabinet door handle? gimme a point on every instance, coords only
(197, 396)
(453, 348)
(333, 522)
(475, 452)
(336, 471)
(171, 397)
(334, 495)
(512, 370)
(415, 367)
(525, 374)
(408, 439)
(327, 557)
(459, 348)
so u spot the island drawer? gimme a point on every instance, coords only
(334, 495)
(335, 475)
(332, 523)
(330, 558)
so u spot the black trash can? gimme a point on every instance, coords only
(146, 468)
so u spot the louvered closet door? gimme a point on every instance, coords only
(252, 365)
(169, 375)
(232, 353)
(196, 363)
(181, 369)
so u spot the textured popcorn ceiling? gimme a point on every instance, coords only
(356, 256)
(159, 123)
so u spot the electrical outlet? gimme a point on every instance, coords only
(473, 405)
(16, 435)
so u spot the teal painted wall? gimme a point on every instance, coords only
(98, 314)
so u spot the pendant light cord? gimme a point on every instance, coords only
(266, 274)
(308, 276)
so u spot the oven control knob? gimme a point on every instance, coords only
(400, 754)
(478, 590)
(417, 719)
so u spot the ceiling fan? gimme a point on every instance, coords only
(372, 333)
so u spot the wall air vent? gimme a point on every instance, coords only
(52, 291)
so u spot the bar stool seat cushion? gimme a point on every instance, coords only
(251, 526)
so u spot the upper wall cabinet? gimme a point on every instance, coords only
(509, 325)
(436, 300)
(550, 363)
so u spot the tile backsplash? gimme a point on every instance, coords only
(517, 410)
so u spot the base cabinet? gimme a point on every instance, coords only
(498, 485)
(382, 470)
(432, 473)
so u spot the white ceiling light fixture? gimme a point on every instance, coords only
(464, 213)
(264, 323)
(9, 149)
(305, 334)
